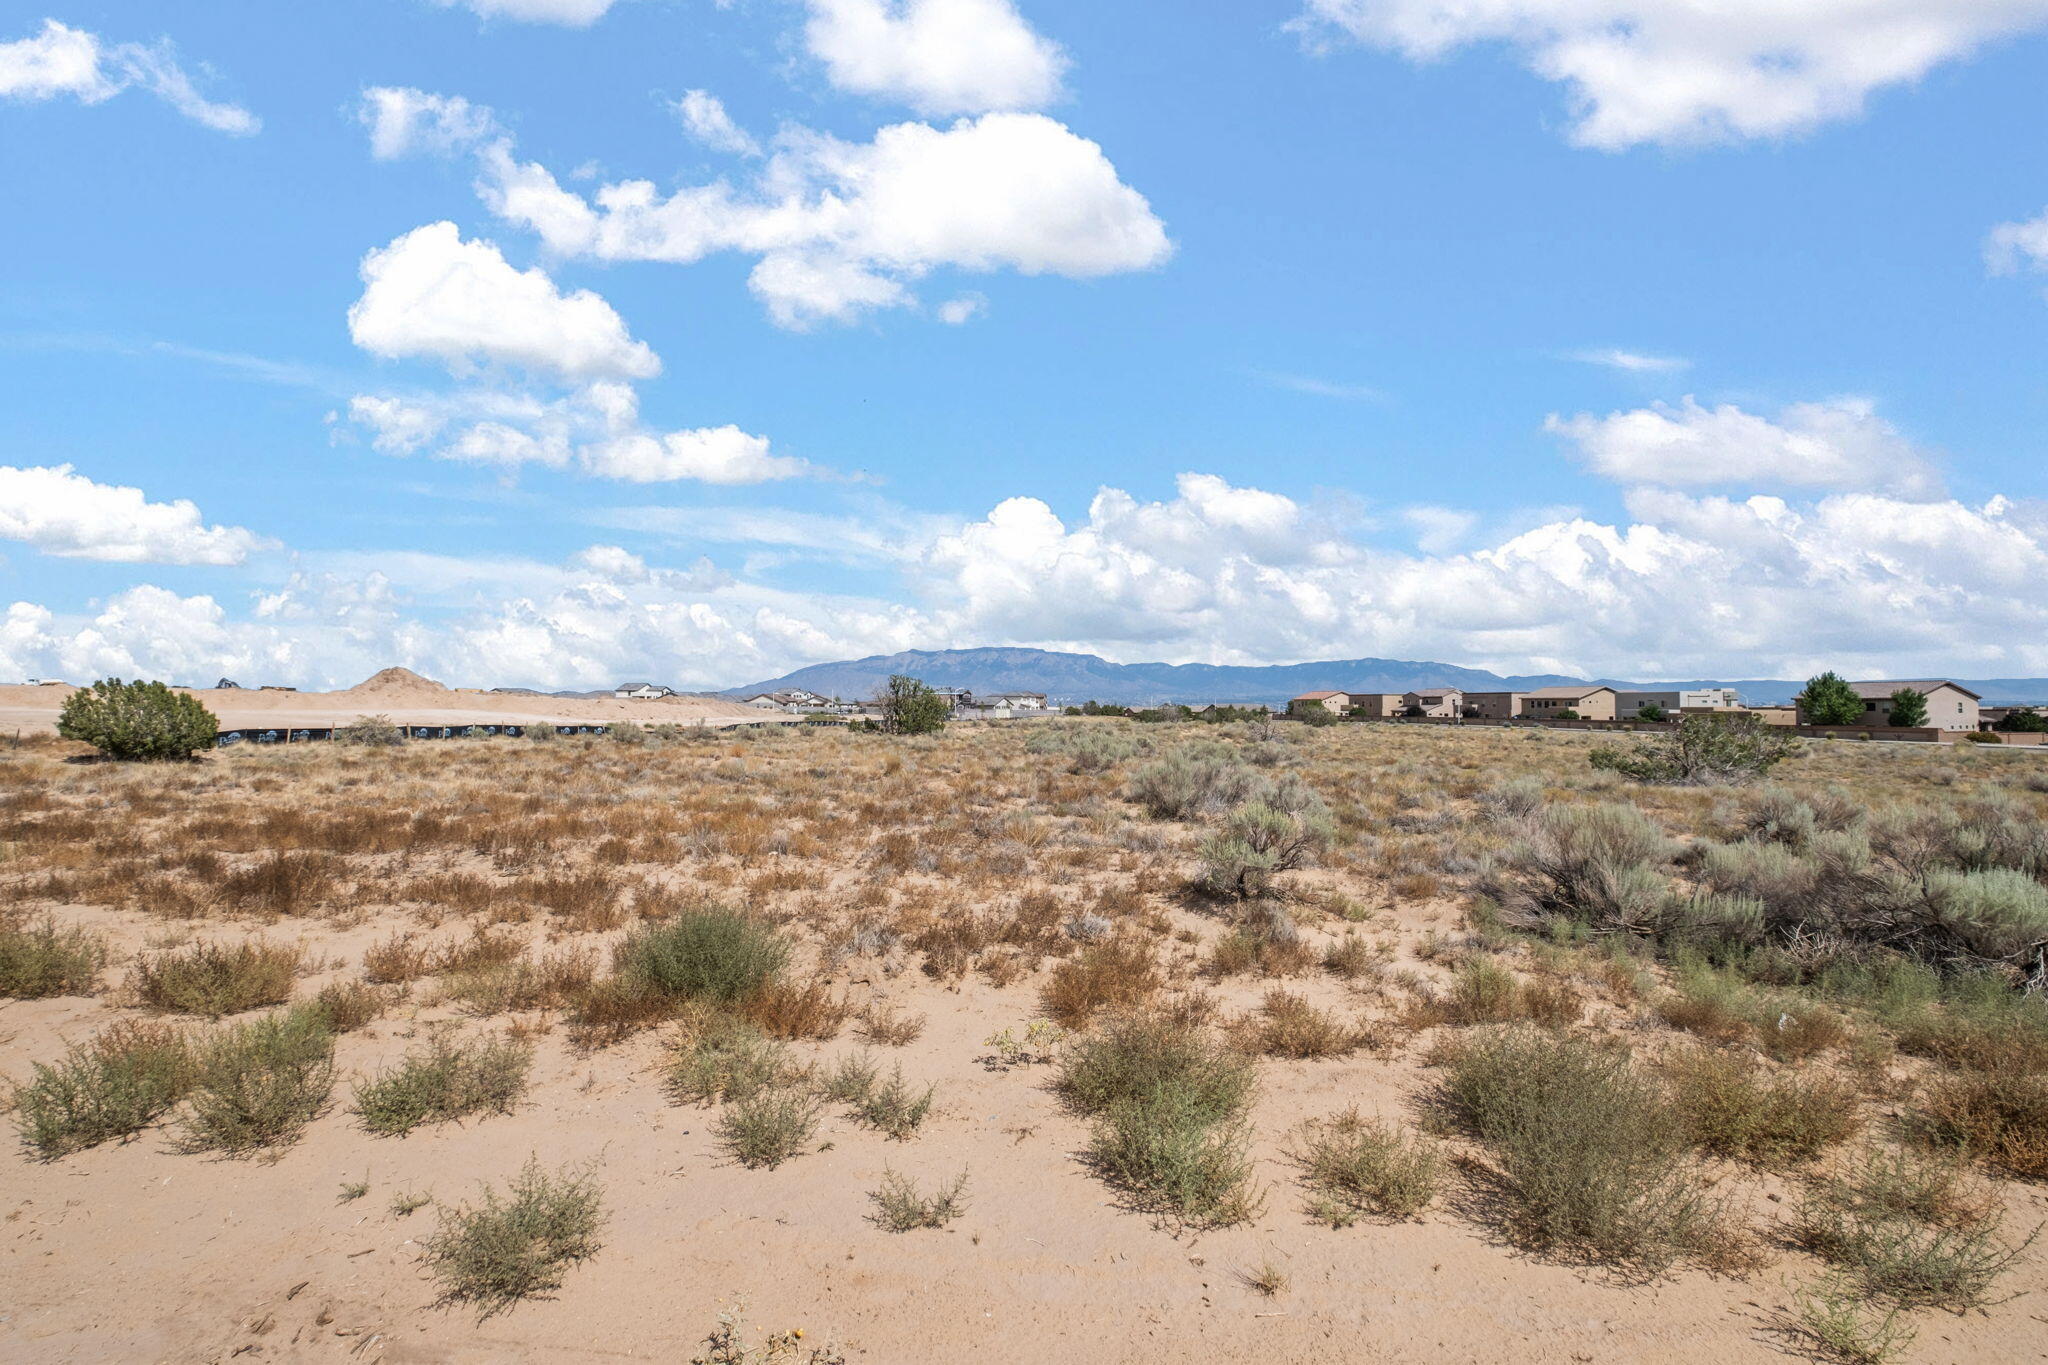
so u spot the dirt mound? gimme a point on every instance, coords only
(395, 680)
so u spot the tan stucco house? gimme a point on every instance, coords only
(1494, 705)
(1950, 706)
(1337, 703)
(1439, 703)
(1584, 700)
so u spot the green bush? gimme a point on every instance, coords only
(1703, 750)
(1909, 1233)
(1258, 843)
(259, 1084)
(1602, 866)
(1195, 780)
(138, 720)
(115, 1085)
(1141, 1056)
(716, 956)
(900, 1207)
(1731, 1107)
(517, 1246)
(1593, 1164)
(214, 979)
(39, 960)
(727, 1059)
(1909, 708)
(768, 1127)
(443, 1082)
(1828, 700)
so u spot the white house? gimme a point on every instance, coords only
(642, 691)
(1626, 704)
(1015, 701)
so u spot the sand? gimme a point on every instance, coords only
(403, 697)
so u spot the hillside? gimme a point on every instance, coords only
(1067, 678)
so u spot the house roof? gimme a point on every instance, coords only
(1496, 694)
(1881, 690)
(1438, 692)
(636, 686)
(1570, 692)
(1320, 696)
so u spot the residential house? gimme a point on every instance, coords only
(1016, 701)
(1335, 702)
(1950, 706)
(795, 700)
(1439, 703)
(1587, 701)
(227, 685)
(1673, 701)
(1494, 705)
(1377, 705)
(642, 691)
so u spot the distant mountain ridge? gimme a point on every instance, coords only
(1072, 678)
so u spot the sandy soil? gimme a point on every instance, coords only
(403, 697)
(131, 1251)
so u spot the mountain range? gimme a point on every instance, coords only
(1072, 678)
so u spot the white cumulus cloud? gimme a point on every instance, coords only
(937, 56)
(60, 60)
(1693, 71)
(63, 513)
(1838, 443)
(431, 294)
(841, 228)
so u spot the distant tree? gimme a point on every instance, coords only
(1317, 714)
(1909, 708)
(2022, 721)
(1828, 700)
(1412, 712)
(911, 708)
(1567, 714)
(143, 721)
(1649, 710)
(369, 731)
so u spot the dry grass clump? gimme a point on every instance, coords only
(901, 1207)
(1356, 1167)
(720, 1058)
(259, 1084)
(1914, 1232)
(1109, 977)
(119, 1083)
(1288, 1026)
(1842, 1326)
(1484, 992)
(1168, 1103)
(1592, 1163)
(2000, 1117)
(889, 1025)
(445, 1081)
(349, 1005)
(214, 979)
(39, 960)
(553, 981)
(519, 1245)
(1733, 1107)
(281, 883)
(788, 1009)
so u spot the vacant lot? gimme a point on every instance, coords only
(1089, 1042)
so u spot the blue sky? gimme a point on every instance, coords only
(552, 341)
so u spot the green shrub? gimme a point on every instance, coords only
(1702, 751)
(1593, 1164)
(1258, 843)
(259, 1084)
(446, 1080)
(768, 1127)
(39, 960)
(1195, 780)
(1168, 1102)
(894, 1106)
(901, 1207)
(1997, 914)
(214, 979)
(1355, 1166)
(138, 720)
(716, 956)
(1843, 1326)
(110, 1087)
(346, 1006)
(1602, 866)
(727, 1059)
(517, 1246)
(1829, 700)
(1733, 1108)
(1909, 1233)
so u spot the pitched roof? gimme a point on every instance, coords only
(1319, 696)
(1881, 689)
(1572, 692)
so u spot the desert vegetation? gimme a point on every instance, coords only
(1274, 998)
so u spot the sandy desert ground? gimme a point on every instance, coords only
(937, 893)
(402, 697)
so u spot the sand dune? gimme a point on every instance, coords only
(404, 697)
